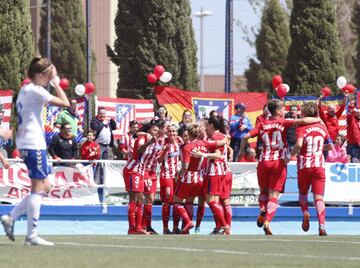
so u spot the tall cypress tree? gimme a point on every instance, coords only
(16, 44)
(315, 58)
(272, 45)
(356, 28)
(149, 33)
(68, 39)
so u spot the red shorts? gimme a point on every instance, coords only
(184, 190)
(213, 185)
(272, 175)
(134, 182)
(314, 177)
(227, 186)
(150, 183)
(166, 190)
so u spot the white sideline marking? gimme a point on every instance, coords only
(217, 251)
(228, 238)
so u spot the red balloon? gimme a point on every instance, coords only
(25, 82)
(89, 88)
(326, 91)
(152, 78)
(348, 89)
(158, 71)
(281, 91)
(64, 83)
(276, 81)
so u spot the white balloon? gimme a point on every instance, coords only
(80, 90)
(165, 77)
(287, 87)
(57, 81)
(341, 82)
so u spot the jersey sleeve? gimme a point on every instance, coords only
(185, 155)
(255, 131)
(288, 122)
(45, 96)
(211, 145)
(300, 132)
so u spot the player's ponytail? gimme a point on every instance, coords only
(219, 123)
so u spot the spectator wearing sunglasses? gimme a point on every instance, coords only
(63, 145)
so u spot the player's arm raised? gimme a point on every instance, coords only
(61, 99)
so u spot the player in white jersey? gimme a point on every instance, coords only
(30, 140)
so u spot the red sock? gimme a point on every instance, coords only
(304, 203)
(271, 209)
(320, 210)
(218, 213)
(176, 218)
(139, 215)
(181, 211)
(263, 200)
(190, 210)
(132, 215)
(200, 214)
(165, 215)
(147, 215)
(228, 214)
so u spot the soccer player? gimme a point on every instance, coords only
(189, 179)
(170, 165)
(31, 143)
(271, 169)
(149, 159)
(310, 140)
(133, 174)
(126, 142)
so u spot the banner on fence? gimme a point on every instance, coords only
(70, 185)
(75, 185)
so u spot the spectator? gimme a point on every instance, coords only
(250, 156)
(338, 153)
(90, 150)
(330, 117)
(185, 121)
(353, 133)
(291, 131)
(162, 114)
(69, 116)
(239, 126)
(103, 127)
(63, 145)
(127, 141)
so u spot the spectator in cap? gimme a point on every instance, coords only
(239, 126)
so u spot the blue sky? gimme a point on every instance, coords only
(214, 34)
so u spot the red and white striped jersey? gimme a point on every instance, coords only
(133, 164)
(311, 153)
(150, 156)
(127, 142)
(273, 136)
(217, 167)
(171, 163)
(194, 172)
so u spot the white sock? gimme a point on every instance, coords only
(33, 213)
(20, 208)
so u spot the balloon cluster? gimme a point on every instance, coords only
(159, 74)
(344, 86)
(87, 89)
(280, 88)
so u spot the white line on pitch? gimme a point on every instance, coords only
(219, 251)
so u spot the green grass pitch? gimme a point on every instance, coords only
(183, 251)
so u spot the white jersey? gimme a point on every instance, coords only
(29, 104)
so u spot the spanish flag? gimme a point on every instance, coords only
(176, 101)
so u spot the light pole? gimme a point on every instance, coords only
(202, 14)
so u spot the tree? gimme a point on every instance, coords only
(16, 43)
(315, 58)
(272, 45)
(149, 33)
(68, 39)
(356, 28)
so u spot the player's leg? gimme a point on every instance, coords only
(182, 192)
(263, 174)
(304, 183)
(318, 189)
(200, 212)
(225, 198)
(167, 195)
